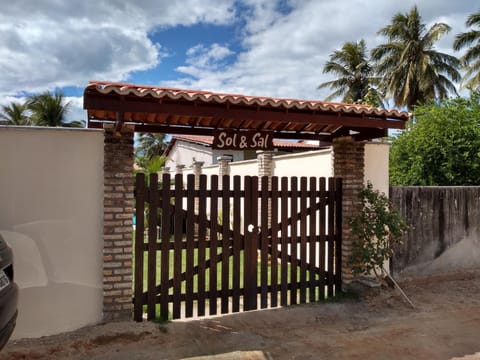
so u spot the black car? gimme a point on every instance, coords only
(8, 294)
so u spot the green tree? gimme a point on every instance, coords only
(51, 110)
(14, 114)
(441, 145)
(148, 146)
(373, 97)
(353, 71)
(412, 71)
(471, 59)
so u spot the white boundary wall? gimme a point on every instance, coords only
(51, 213)
(314, 163)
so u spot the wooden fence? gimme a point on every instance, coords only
(246, 244)
(445, 223)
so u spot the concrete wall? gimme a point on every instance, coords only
(183, 153)
(445, 235)
(376, 165)
(51, 196)
(310, 163)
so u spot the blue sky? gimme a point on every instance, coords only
(254, 47)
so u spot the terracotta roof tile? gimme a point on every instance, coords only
(207, 96)
(183, 111)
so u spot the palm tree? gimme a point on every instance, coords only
(149, 145)
(471, 59)
(412, 71)
(49, 110)
(353, 71)
(14, 114)
(75, 124)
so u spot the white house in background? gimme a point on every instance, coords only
(182, 149)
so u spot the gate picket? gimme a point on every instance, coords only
(264, 221)
(294, 241)
(190, 245)
(225, 242)
(322, 232)
(202, 232)
(284, 235)
(284, 247)
(152, 246)
(165, 246)
(177, 248)
(274, 244)
(312, 240)
(213, 245)
(251, 244)
(303, 240)
(237, 244)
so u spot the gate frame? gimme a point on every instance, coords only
(313, 202)
(122, 109)
(348, 164)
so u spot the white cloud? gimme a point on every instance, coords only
(260, 15)
(210, 56)
(285, 52)
(76, 112)
(47, 44)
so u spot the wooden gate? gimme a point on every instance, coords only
(243, 244)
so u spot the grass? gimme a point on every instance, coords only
(318, 294)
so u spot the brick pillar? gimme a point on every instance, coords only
(265, 163)
(223, 168)
(223, 165)
(349, 164)
(265, 168)
(118, 226)
(197, 171)
(180, 168)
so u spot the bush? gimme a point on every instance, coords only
(376, 229)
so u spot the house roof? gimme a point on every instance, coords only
(208, 141)
(177, 111)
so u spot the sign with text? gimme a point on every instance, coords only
(242, 140)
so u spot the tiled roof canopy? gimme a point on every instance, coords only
(174, 111)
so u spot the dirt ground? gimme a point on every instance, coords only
(377, 325)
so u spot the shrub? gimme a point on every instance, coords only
(376, 229)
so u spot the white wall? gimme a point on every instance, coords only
(376, 165)
(247, 167)
(51, 213)
(311, 163)
(316, 163)
(183, 152)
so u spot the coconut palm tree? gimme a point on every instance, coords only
(412, 71)
(471, 59)
(50, 110)
(148, 146)
(75, 124)
(14, 114)
(353, 71)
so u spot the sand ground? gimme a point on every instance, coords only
(378, 324)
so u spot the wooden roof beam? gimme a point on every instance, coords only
(245, 113)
